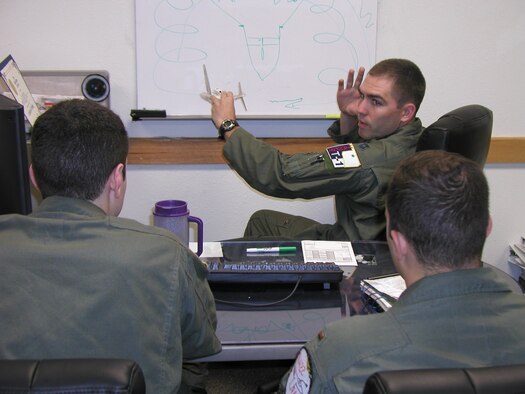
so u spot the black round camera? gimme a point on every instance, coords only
(95, 87)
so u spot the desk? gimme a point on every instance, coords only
(277, 332)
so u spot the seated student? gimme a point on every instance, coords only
(77, 281)
(378, 116)
(454, 313)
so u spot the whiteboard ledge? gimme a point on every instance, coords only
(250, 117)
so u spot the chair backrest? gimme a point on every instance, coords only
(466, 130)
(486, 380)
(69, 376)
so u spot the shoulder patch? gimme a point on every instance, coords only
(343, 156)
(300, 376)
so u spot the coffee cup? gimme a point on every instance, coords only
(174, 216)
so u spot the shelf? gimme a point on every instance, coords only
(209, 150)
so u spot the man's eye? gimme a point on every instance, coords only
(376, 102)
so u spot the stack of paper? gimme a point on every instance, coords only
(517, 253)
(384, 291)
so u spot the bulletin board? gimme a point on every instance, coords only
(286, 55)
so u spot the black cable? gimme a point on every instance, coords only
(266, 304)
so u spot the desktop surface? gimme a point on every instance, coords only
(264, 321)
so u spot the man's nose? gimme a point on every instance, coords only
(362, 108)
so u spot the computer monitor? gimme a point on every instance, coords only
(15, 190)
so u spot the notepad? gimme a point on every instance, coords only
(384, 290)
(14, 80)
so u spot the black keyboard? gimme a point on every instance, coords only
(273, 272)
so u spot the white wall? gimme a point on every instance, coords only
(471, 51)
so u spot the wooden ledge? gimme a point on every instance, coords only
(209, 150)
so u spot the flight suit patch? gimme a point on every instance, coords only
(343, 156)
(300, 377)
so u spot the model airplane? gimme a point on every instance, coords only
(217, 92)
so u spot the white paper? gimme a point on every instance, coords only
(209, 249)
(338, 252)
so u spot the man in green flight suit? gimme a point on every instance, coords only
(79, 281)
(378, 128)
(456, 311)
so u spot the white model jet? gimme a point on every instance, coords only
(217, 92)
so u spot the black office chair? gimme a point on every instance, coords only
(487, 380)
(71, 376)
(466, 130)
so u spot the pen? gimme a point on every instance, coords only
(273, 249)
(317, 159)
(385, 276)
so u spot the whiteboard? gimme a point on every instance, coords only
(287, 55)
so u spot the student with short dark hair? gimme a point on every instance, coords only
(79, 282)
(455, 312)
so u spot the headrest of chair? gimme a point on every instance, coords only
(493, 379)
(100, 376)
(466, 130)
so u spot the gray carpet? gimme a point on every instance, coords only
(244, 377)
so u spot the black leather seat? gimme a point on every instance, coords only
(487, 380)
(68, 376)
(466, 130)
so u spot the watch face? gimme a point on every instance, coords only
(228, 124)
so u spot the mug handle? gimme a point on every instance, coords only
(200, 232)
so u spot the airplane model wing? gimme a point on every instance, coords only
(206, 81)
(217, 92)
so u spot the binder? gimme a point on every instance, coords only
(380, 293)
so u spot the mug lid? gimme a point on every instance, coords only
(171, 208)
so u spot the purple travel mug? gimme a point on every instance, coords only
(175, 216)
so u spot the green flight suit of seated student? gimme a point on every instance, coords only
(378, 117)
(465, 318)
(77, 281)
(455, 312)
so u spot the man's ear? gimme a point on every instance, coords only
(399, 243)
(32, 177)
(408, 112)
(396, 241)
(489, 227)
(116, 180)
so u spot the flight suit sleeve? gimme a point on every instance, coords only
(198, 314)
(301, 175)
(334, 131)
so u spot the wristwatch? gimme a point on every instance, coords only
(227, 125)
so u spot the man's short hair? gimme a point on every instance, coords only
(409, 82)
(75, 145)
(440, 202)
